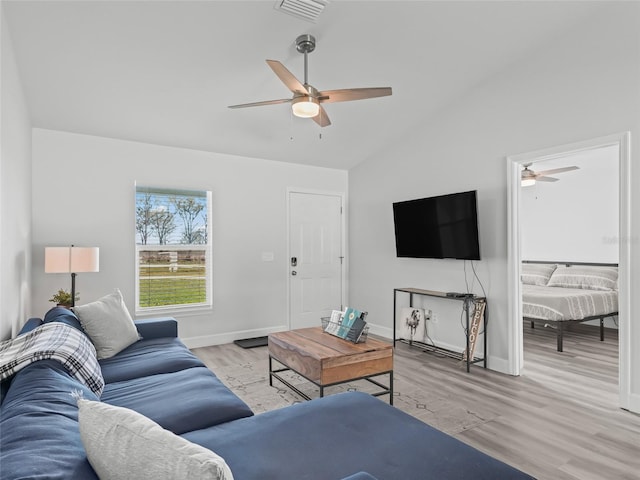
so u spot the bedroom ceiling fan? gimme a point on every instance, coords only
(529, 177)
(306, 100)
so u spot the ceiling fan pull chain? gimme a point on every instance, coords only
(290, 125)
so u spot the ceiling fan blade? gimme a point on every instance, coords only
(322, 118)
(287, 77)
(349, 94)
(557, 170)
(546, 179)
(259, 104)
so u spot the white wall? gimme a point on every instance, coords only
(83, 193)
(580, 86)
(15, 193)
(576, 218)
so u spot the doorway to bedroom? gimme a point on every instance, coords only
(572, 217)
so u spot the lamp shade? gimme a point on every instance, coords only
(71, 259)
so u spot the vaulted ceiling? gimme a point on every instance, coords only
(164, 72)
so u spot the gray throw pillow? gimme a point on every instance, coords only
(122, 444)
(585, 276)
(108, 324)
(537, 273)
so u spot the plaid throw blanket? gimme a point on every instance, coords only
(53, 341)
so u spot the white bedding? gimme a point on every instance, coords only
(559, 303)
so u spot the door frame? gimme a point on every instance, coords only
(515, 325)
(343, 242)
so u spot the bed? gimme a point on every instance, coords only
(559, 293)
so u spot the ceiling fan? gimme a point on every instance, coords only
(306, 101)
(529, 177)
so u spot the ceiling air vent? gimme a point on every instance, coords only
(308, 10)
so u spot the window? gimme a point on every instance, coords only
(173, 249)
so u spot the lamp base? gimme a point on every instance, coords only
(73, 289)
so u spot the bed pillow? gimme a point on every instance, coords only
(108, 324)
(537, 273)
(584, 276)
(123, 444)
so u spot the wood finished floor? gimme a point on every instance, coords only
(559, 420)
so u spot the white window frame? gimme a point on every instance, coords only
(207, 248)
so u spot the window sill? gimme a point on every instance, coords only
(173, 310)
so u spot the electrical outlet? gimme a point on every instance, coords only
(427, 315)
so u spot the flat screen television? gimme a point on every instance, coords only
(445, 226)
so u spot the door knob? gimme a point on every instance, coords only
(294, 273)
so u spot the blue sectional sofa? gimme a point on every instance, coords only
(349, 435)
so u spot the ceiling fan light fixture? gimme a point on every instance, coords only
(528, 182)
(307, 99)
(305, 107)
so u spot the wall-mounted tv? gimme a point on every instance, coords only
(445, 226)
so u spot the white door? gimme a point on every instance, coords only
(315, 257)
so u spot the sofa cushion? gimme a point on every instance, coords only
(122, 444)
(341, 434)
(108, 323)
(157, 327)
(536, 273)
(180, 401)
(39, 436)
(148, 357)
(585, 276)
(30, 325)
(62, 315)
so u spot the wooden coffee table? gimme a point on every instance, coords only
(326, 360)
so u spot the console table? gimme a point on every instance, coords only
(467, 299)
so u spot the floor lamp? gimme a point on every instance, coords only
(72, 260)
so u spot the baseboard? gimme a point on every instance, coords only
(498, 364)
(379, 330)
(493, 363)
(634, 404)
(229, 337)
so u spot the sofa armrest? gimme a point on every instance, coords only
(30, 325)
(27, 327)
(157, 327)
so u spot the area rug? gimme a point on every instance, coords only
(250, 381)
